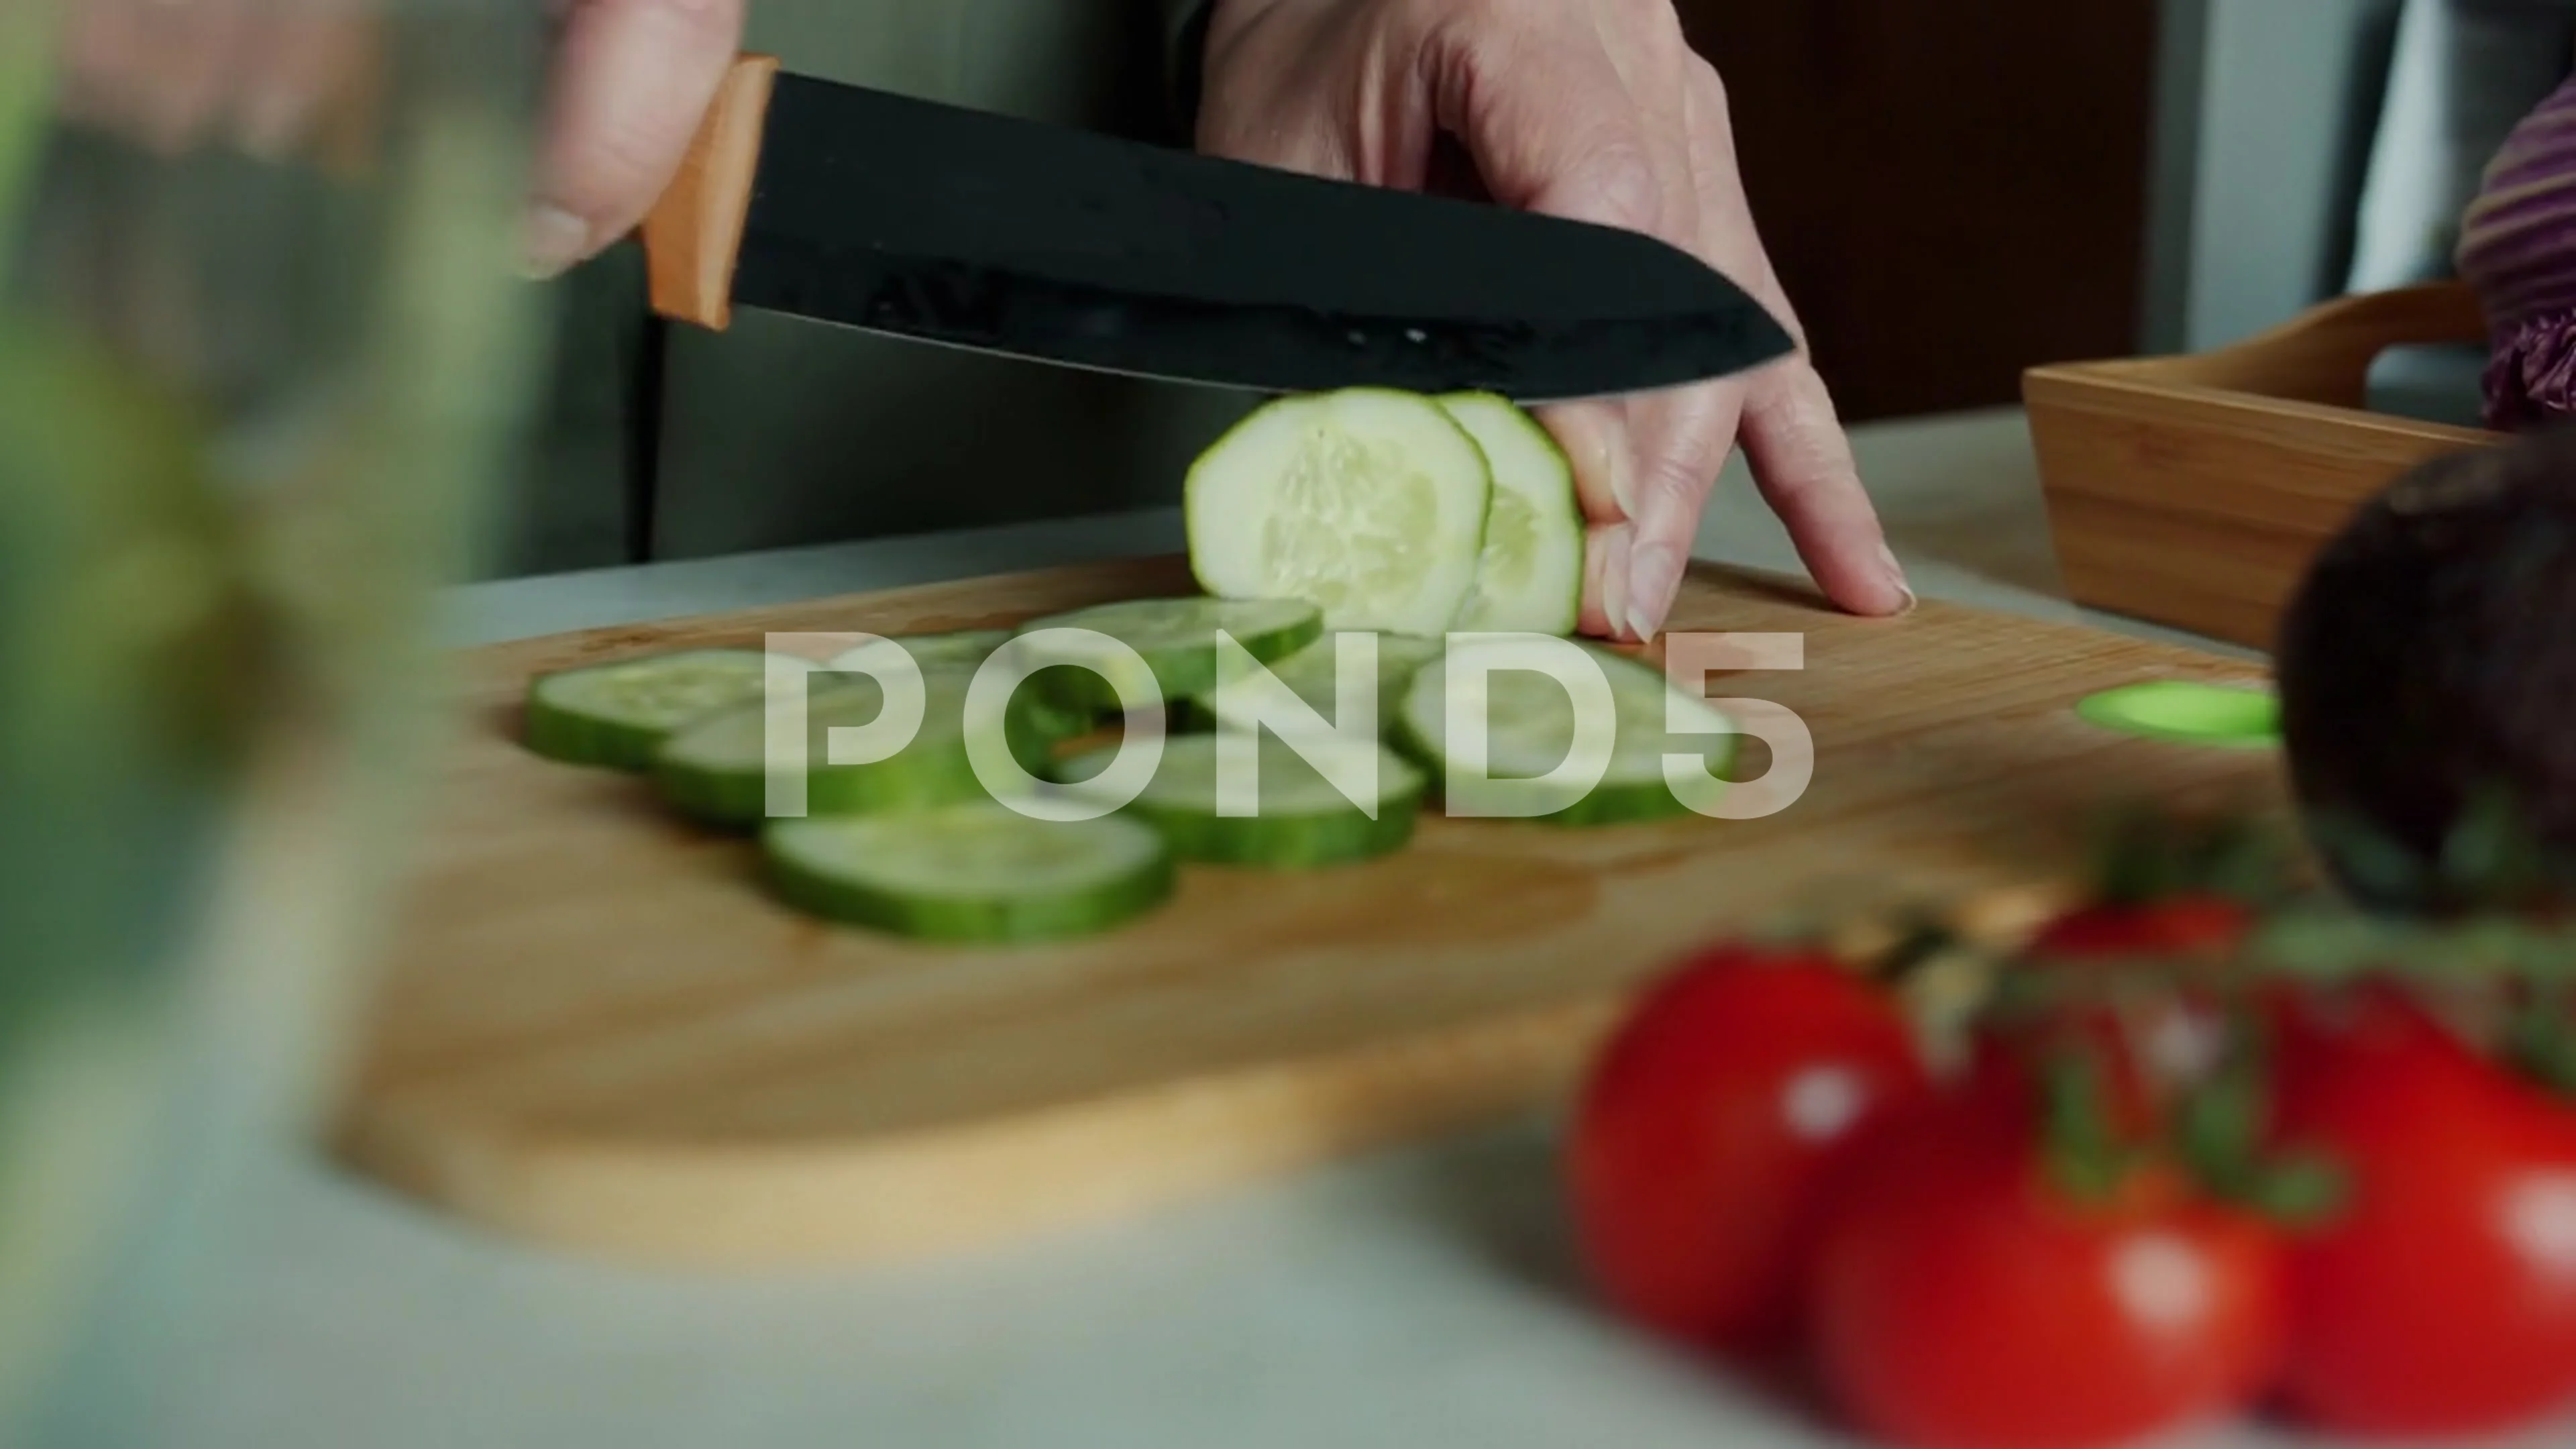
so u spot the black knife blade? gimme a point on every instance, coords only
(965, 228)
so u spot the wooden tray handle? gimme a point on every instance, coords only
(2323, 355)
(693, 235)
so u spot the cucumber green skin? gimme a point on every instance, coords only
(1195, 714)
(916, 778)
(1037, 724)
(1178, 673)
(1608, 803)
(1619, 805)
(1064, 702)
(574, 737)
(1289, 842)
(740, 798)
(579, 739)
(1085, 912)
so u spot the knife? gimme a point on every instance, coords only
(946, 225)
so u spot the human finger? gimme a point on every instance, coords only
(632, 81)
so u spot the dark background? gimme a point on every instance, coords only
(1951, 192)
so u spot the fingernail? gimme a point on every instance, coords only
(555, 239)
(1614, 581)
(1654, 578)
(1595, 617)
(1615, 461)
(1895, 573)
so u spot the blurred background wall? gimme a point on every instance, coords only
(1951, 192)
(1958, 192)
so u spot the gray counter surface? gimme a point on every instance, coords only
(1418, 1298)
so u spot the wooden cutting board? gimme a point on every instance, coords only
(599, 1033)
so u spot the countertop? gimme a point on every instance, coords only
(1959, 494)
(1417, 1298)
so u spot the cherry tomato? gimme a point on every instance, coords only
(1962, 1299)
(1710, 1124)
(2443, 1299)
(2174, 925)
(2155, 1041)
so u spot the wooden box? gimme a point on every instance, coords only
(2192, 491)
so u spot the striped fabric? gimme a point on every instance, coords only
(2518, 252)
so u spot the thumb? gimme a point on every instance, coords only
(632, 82)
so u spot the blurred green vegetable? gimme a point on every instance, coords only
(26, 91)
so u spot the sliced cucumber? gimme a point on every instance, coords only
(1301, 818)
(1530, 731)
(1043, 713)
(2188, 712)
(1372, 503)
(1313, 675)
(1176, 639)
(972, 872)
(962, 646)
(618, 715)
(1046, 711)
(716, 771)
(1529, 579)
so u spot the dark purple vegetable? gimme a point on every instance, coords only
(2427, 673)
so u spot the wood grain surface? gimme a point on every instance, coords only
(599, 1034)
(2194, 490)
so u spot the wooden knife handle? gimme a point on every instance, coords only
(693, 235)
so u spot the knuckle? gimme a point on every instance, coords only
(1794, 418)
(1706, 82)
(1623, 181)
(1683, 471)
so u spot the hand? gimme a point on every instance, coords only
(265, 75)
(631, 80)
(1596, 110)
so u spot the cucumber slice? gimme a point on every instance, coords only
(1176, 639)
(716, 771)
(1530, 577)
(1370, 502)
(1038, 711)
(972, 872)
(1313, 675)
(1530, 731)
(963, 646)
(1302, 818)
(2188, 712)
(1046, 712)
(618, 715)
